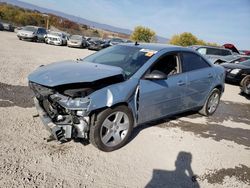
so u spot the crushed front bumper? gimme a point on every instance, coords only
(61, 132)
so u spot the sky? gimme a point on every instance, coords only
(220, 21)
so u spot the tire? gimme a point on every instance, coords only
(208, 109)
(245, 85)
(109, 134)
(35, 39)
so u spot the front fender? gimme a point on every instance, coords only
(111, 95)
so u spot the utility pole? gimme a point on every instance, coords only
(47, 20)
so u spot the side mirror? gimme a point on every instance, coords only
(155, 75)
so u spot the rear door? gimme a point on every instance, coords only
(200, 75)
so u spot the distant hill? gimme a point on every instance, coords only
(76, 19)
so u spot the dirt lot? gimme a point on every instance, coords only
(184, 151)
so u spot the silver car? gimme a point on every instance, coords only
(32, 33)
(56, 38)
(77, 41)
(216, 55)
(103, 96)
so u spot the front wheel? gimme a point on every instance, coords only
(245, 85)
(112, 128)
(211, 103)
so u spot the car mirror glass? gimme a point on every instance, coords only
(155, 75)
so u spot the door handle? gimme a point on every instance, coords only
(210, 75)
(181, 83)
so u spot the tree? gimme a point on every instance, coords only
(143, 34)
(188, 39)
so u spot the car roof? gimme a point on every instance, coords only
(215, 47)
(156, 46)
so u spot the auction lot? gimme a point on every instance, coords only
(215, 151)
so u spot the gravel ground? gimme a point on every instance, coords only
(184, 151)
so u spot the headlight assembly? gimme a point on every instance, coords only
(235, 71)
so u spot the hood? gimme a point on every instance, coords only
(234, 66)
(69, 72)
(26, 32)
(214, 58)
(231, 47)
(53, 36)
(75, 40)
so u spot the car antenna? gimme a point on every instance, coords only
(136, 43)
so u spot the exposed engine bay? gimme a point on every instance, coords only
(64, 109)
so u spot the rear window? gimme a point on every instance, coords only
(191, 61)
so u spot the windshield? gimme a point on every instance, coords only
(116, 40)
(129, 58)
(246, 63)
(29, 28)
(76, 37)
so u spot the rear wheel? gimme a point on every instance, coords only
(211, 103)
(245, 85)
(112, 128)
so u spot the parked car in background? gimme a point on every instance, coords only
(103, 96)
(235, 72)
(216, 55)
(231, 47)
(77, 41)
(95, 44)
(1, 27)
(245, 52)
(8, 27)
(111, 42)
(32, 33)
(56, 38)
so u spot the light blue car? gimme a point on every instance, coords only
(105, 95)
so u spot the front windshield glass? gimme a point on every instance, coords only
(76, 37)
(246, 63)
(116, 40)
(29, 28)
(129, 58)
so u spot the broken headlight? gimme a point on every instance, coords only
(40, 90)
(71, 103)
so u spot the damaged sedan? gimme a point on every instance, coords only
(102, 97)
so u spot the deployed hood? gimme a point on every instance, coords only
(72, 72)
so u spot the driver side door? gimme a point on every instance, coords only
(162, 97)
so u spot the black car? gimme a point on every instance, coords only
(111, 42)
(235, 72)
(95, 44)
(1, 27)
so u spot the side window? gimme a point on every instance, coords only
(168, 65)
(225, 52)
(39, 31)
(191, 61)
(43, 31)
(202, 51)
